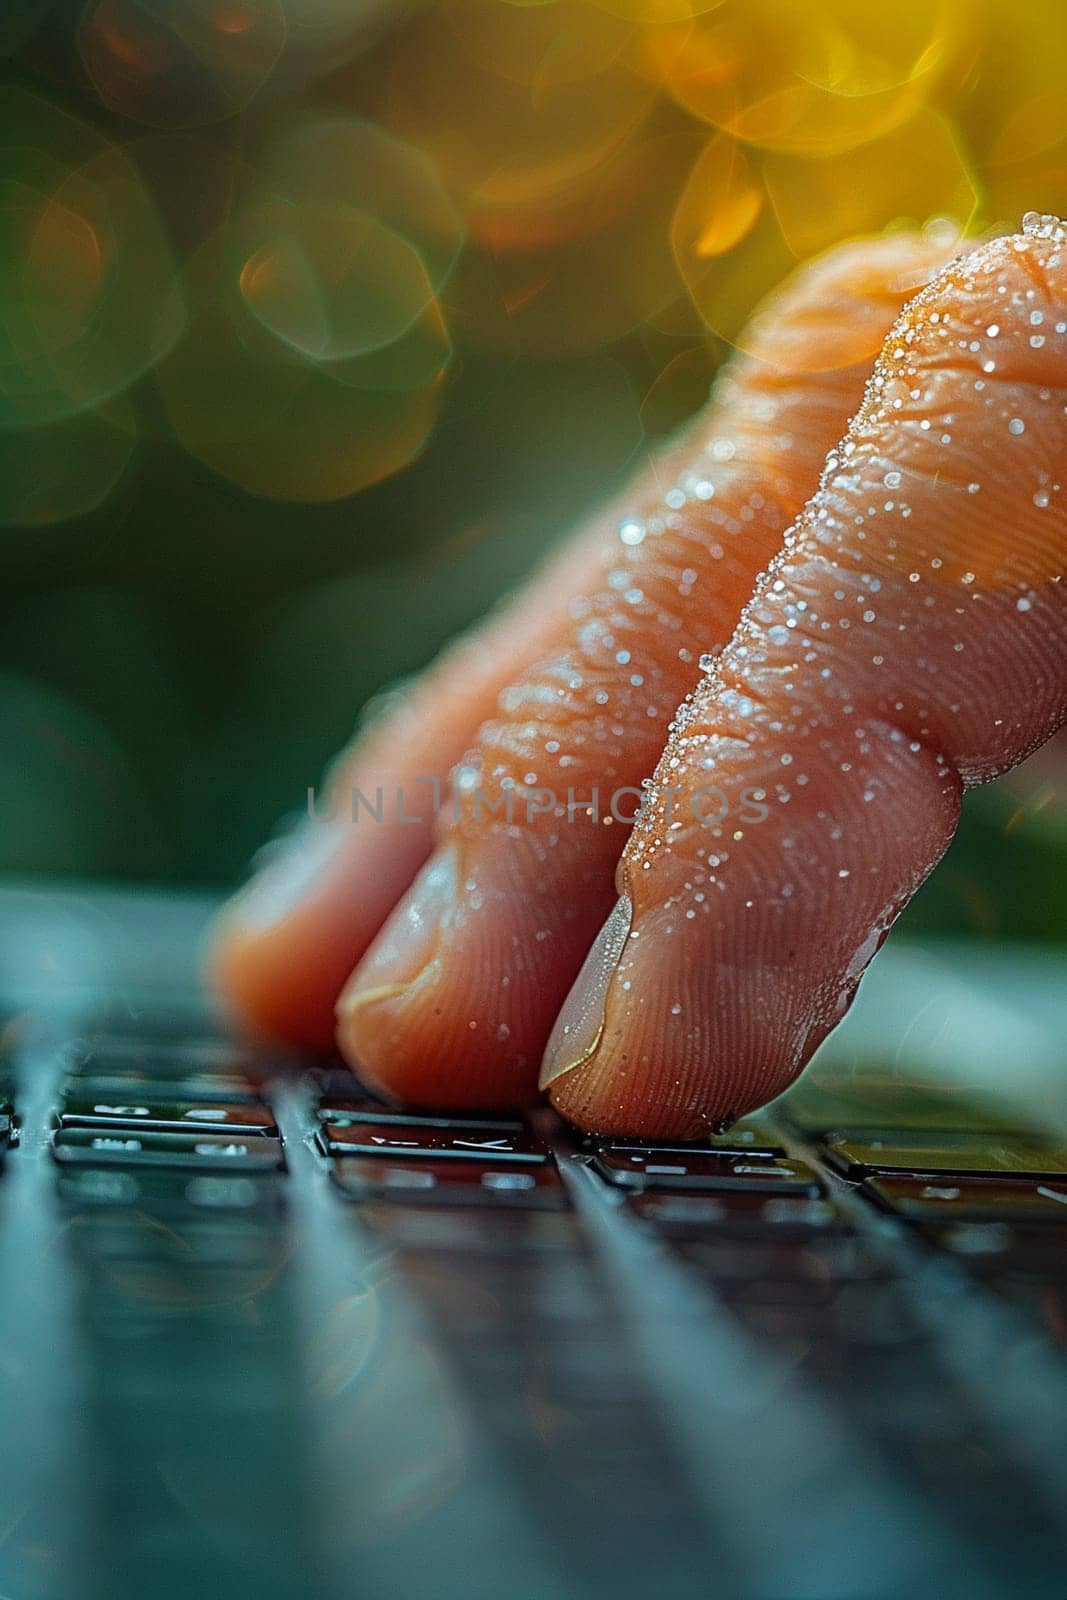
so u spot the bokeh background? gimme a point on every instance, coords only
(320, 320)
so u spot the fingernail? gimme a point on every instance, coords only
(292, 869)
(580, 1023)
(409, 941)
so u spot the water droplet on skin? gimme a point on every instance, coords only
(632, 532)
(1041, 498)
(1016, 426)
(1043, 225)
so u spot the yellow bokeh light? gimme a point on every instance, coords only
(378, 196)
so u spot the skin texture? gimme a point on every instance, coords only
(910, 641)
(907, 641)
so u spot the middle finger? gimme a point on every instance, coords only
(453, 1002)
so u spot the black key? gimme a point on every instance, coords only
(348, 1112)
(406, 1142)
(966, 1199)
(208, 1152)
(448, 1182)
(955, 1151)
(651, 1168)
(94, 1105)
(748, 1137)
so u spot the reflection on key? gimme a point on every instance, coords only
(751, 1136)
(448, 1182)
(428, 1142)
(193, 1348)
(95, 1105)
(347, 1111)
(84, 1147)
(643, 1167)
(970, 1199)
(735, 1211)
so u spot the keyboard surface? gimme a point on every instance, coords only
(332, 1332)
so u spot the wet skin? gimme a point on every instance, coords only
(815, 635)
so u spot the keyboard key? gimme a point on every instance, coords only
(426, 1142)
(750, 1136)
(954, 1151)
(448, 1182)
(346, 1112)
(649, 1167)
(828, 1099)
(746, 1138)
(95, 1104)
(971, 1199)
(248, 1153)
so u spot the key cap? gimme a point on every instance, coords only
(746, 1138)
(93, 1105)
(828, 1100)
(901, 1150)
(347, 1112)
(970, 1199)
(652, 1168)
(206, 1152)
(448, 1182)
(406, 1143)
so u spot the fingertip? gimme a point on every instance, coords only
(453, 1002)
(280, 950)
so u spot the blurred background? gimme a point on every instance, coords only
(320, 320)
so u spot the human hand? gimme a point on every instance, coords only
(907, 642)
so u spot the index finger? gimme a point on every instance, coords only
(908, 643)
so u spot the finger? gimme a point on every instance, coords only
(909, 642)
(454, 1002)
(282, 948)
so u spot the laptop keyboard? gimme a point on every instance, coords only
(178, 1160)
(166, 1116)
